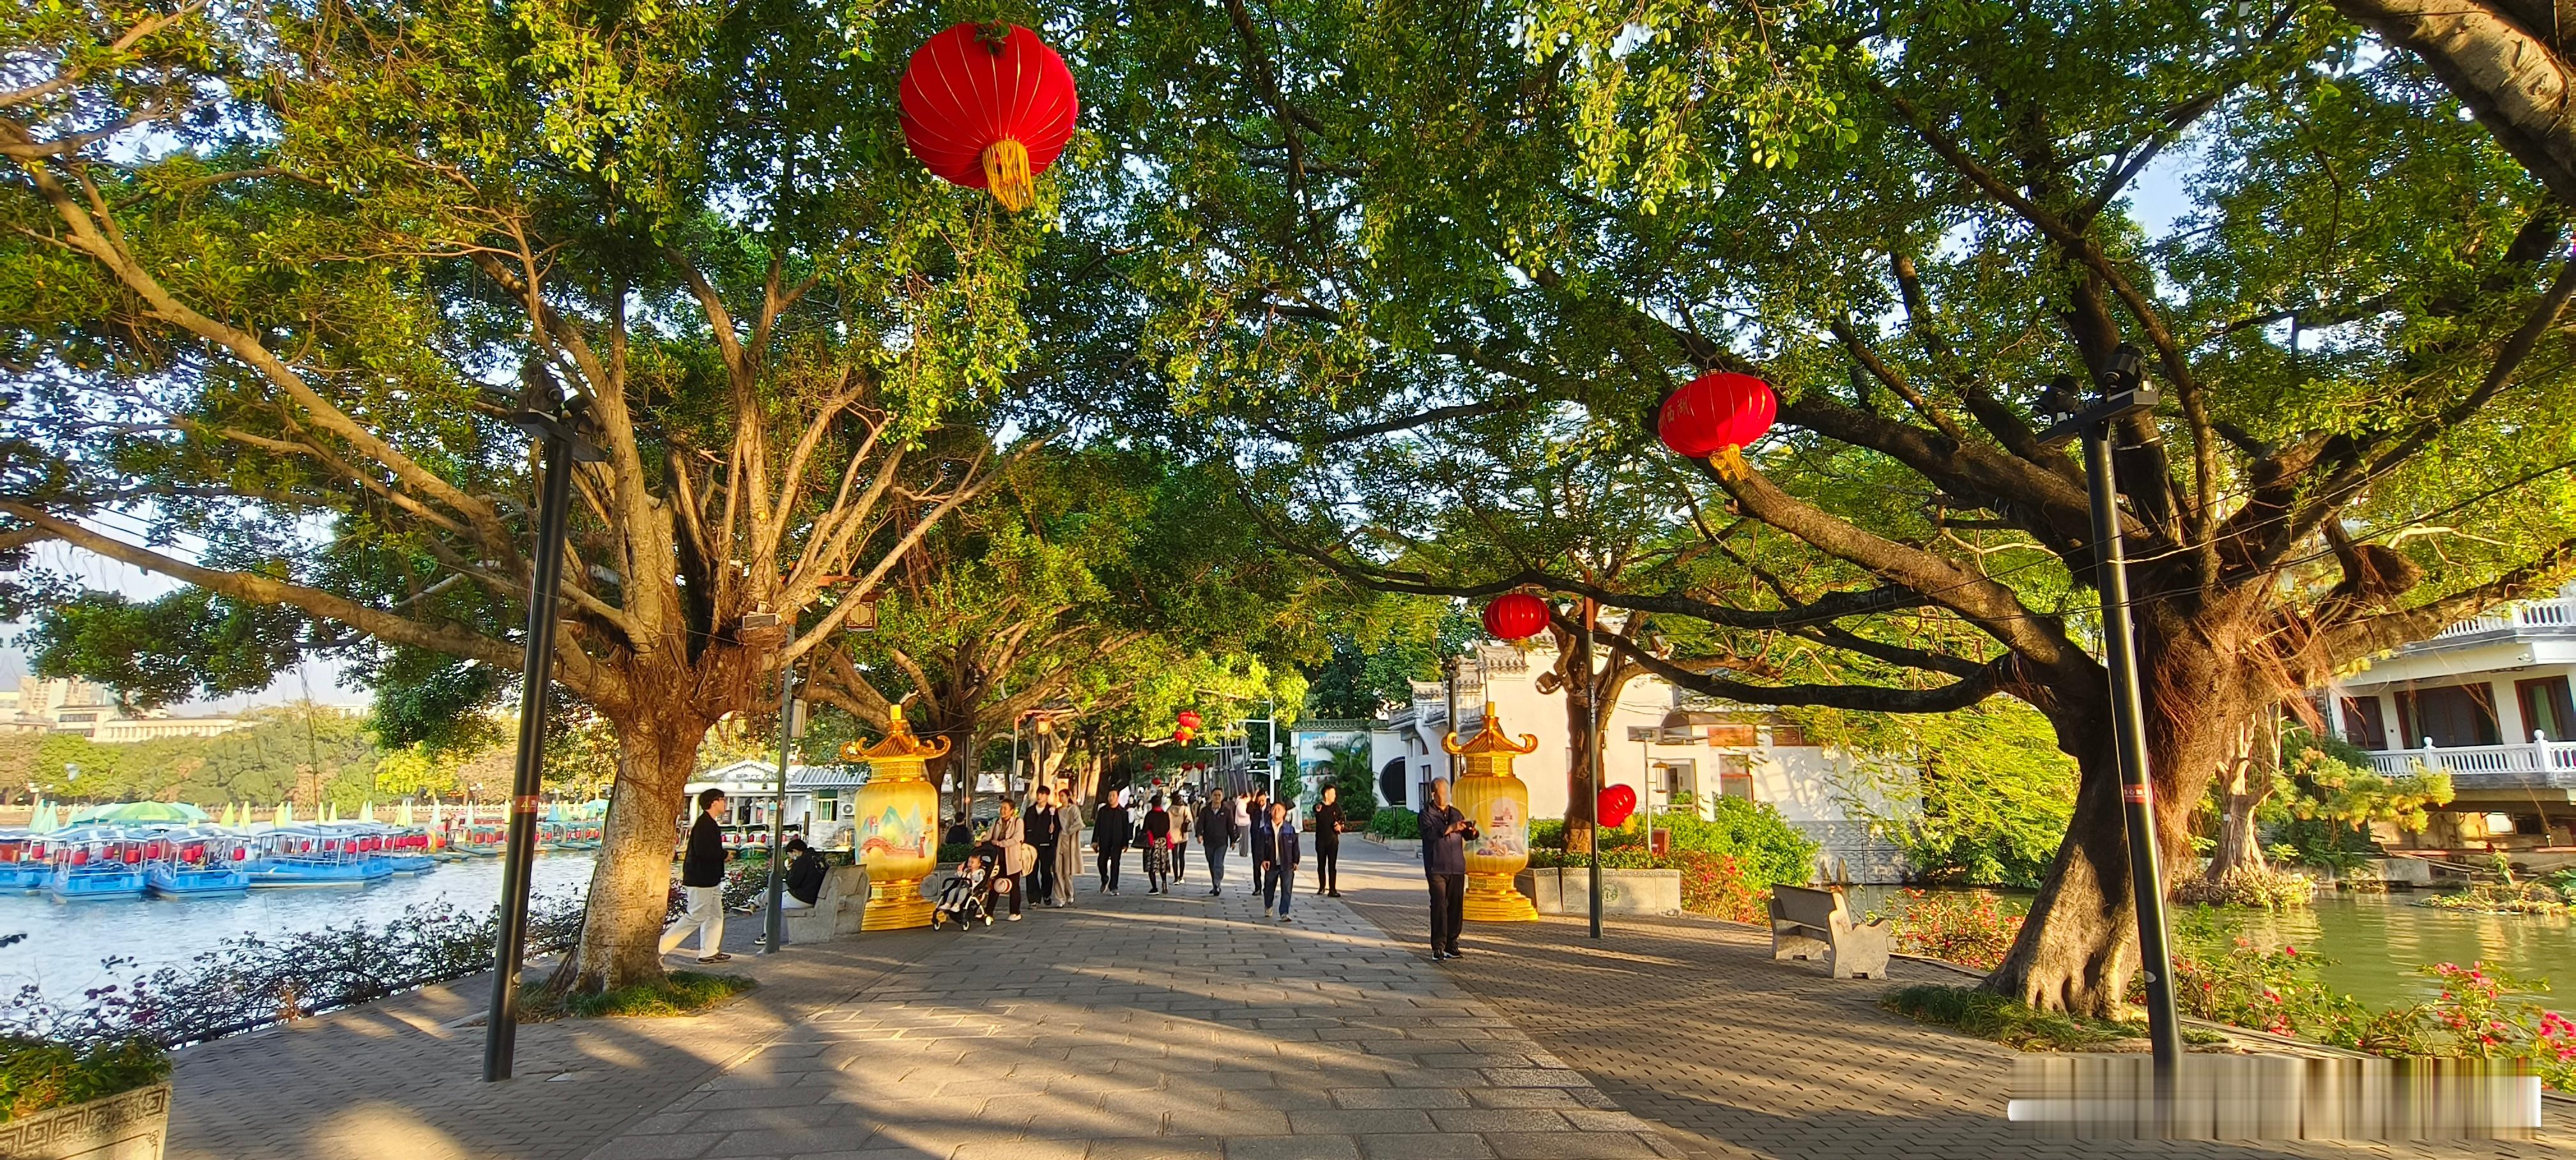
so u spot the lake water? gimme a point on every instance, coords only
(2372, 944)
(66, 941)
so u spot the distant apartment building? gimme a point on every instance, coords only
(1669, 744)
(2488, 700)
(59, 705)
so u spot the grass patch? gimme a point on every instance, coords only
(2016, 1024)
(678, 993)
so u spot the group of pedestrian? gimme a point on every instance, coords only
(1044, 846)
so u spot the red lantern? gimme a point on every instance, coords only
(1189, 718)
(988, 106)
(1515, 616)
(1614, 806)
(1715, 411)
(1181, 735)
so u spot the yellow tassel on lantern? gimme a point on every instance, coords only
(1006, 174)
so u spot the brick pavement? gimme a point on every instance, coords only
(1144, 1026)
(1690, 1024)
(401, 1078)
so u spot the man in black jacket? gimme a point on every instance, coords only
(1110, 833)
(1328, 844)
(702, 879)
(1274, 859)
(1445, 834)
(1216, 832)
(1043, 831)
(805, 872)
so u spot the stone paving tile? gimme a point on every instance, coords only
(1689, 1026)
(403, 1077)
(1147, 1026)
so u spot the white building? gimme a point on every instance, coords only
(2488, 700)
(60, 705)
(1662, 740)
(820, 798)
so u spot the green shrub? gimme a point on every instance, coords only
(1547, 834)
(37, 1076)
(951, 852)
(1395, 822)
(1753, 833)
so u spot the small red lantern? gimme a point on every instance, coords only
(1715, 411)
(1189, 718)
(988, 106)
(1515, 616)
(1614, 805)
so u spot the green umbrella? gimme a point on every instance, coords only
(140, 813)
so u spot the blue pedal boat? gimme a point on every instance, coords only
(24, 865)
(189, 863)
(91, 867)
(311, 856)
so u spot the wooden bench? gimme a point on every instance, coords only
(1806, 922)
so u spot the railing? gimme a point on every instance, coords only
(2473, 760)
(2560, 613)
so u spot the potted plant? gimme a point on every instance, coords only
(60, 1100)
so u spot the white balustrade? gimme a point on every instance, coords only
(2559, 613)
(2471, 760)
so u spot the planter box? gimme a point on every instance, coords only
(126, 1126)
(1633, 893)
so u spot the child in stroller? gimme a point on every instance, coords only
(967, 895)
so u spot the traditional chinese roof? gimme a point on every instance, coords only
(1490, 739)
(899, 744)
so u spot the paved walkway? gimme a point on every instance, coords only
(1153, 1026)
(403, 1078)
(1181, 1026)
(1690, 1024)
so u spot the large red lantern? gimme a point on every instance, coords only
(1715, 411)
(1189, 718)
(988, 106)
(1515, 616)
(1614, 805)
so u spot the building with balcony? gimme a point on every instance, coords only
(61, 705)
(2488, 700)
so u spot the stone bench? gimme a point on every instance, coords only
(836, 910)
(1806, 922)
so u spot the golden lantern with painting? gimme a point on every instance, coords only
(1497, 804)
(898, 826)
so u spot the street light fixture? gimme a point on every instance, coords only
(565, 439)
(2128, 393)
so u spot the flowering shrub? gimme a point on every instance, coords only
(2479, 1016)
(1969, 929)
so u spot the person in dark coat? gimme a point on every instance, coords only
(1445, 834)
(804, 873)
(1043, 829)
(1110, 833)
(1328, 843)
(1216, 832)
(1275, 854)
(702, 880)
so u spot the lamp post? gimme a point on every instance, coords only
(2129, 394)
(791, 725)
(1592, 751)
(562, 438)
(1449, 666)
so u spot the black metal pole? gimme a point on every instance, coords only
(777, 927)
(2129, 736)
(1592, 753)
(554, 511)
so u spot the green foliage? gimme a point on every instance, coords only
(185, 644)
(1395, 822)
(38, 1076)
(2264, 887)
(2005, 1020)
(1752, 833)
(1977, 797)
(1381, 648)
(1356, 783)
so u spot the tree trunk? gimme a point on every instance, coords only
(2078, 947)
(2240, 846)
(1576, 669)
(630, 886)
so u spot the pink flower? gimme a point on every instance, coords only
(2291, 951)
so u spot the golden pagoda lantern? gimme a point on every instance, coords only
(1497, 804)
(897, 818)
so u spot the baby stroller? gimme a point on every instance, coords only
(968, 894)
